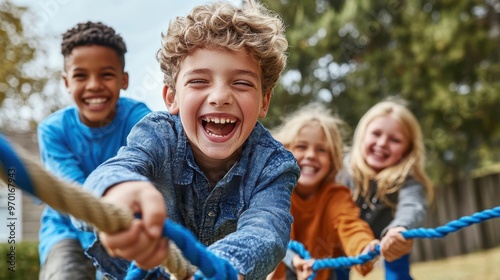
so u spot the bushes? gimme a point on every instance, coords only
(21, 263)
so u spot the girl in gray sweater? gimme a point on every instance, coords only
(385, 171)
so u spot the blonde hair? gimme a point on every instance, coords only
(391, 178)
(221, 25)
(311, 114)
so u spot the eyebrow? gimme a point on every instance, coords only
(196, 71)
(86, 69)
(237, 72)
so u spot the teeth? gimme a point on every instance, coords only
(378, 153)
(215, 135)
(308, 169)
(93, 101)
(219, 120)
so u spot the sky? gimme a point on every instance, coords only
(139, 22)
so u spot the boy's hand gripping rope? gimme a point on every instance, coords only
(441, 231)
(18, 169)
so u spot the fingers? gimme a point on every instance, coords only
(135, 244)
(393, 245)
(154, 256)
(141, 197)
(370, 247)
(114, 241)
(153, 211)
(142, 242)
(305, 269)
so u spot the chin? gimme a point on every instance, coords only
(218, 155)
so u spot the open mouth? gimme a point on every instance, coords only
(218, 127)
(308, 169)
(379, 155)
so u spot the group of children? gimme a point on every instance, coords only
(209, 164)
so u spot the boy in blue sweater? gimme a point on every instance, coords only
(75, 140)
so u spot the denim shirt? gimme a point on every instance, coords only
(245, 219)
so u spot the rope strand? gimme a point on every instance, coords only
(439, 232)
(19, 169)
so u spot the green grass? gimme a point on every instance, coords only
(483, 265)
(25, 266)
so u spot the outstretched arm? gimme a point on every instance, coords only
(410, 213)
(143, 241)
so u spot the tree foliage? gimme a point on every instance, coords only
(441, 56)
(24, 96)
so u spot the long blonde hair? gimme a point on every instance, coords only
(391, 179)
(314, 114)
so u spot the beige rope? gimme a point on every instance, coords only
(72, 199)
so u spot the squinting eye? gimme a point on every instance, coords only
(244, 83)
(196, 82)
(396, 140)
(299, 147)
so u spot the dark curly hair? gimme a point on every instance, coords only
(93, 33)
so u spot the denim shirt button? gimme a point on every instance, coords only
(211, 214)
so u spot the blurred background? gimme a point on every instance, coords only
(443, 57)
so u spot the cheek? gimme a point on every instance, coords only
(327, 162)
(366, 140)
(400, 151)
(187, 116)
(365, 146)
(296, 154)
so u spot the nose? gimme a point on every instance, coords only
(382, 140)
(310, 153)
(94, 83)
(220, 95)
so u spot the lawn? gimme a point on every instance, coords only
(483, 265)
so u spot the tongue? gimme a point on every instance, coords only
(219, 129)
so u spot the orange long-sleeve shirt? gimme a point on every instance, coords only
(328, 224)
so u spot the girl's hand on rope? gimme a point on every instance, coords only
(370, 247)
(143, 241)
(393, 245)
(303, 268)
(367, 267)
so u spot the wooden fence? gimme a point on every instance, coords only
(453, 202)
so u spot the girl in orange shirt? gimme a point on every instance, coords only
(326, 220)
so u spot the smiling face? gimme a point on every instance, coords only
(313, 157)
(219, 99)
(385, 143)
(94, 76)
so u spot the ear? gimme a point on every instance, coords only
(169, 99)
(125, 80)
(65, 79)
(266, 100)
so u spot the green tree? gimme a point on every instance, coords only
(441, 56)
(25, 97)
